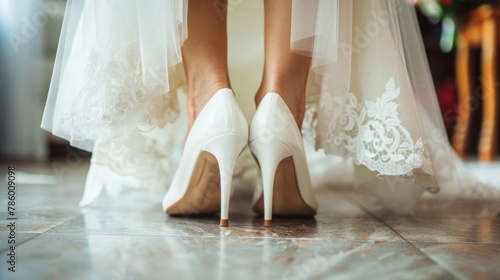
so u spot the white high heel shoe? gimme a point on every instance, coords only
(202, 183)
(277, 145)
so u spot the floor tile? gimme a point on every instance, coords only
(137, 257)
(38, 185)
(435, 209)
(465, 261)
(446, 230)
(339, 219)
(134, 239)
(339, 229)
(38, 219)
(20, 237)
(241, 226)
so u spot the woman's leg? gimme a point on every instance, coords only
(204, 54)
(285, 72)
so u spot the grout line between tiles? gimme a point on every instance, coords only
(400, 235)
(37, 234)
(21, 243)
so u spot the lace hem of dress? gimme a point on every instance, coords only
(139, 157)
(371, 134)
(114, 99)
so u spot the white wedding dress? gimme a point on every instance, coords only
(118, 91)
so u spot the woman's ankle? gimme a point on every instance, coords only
(293, 93)
(200, 90)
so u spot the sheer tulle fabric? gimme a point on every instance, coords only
(370, 98)
(111, 75)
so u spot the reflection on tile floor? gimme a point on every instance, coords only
(58, 240)
(473, 261)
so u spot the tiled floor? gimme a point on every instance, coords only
(57, 240)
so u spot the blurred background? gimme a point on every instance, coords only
(29, 32)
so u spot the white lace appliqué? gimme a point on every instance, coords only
(115, 100)
(371, 133)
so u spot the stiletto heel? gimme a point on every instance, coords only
(277, 145)
(226, 149)
(202, 183)
(269, 153)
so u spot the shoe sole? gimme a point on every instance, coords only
(203, 192)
